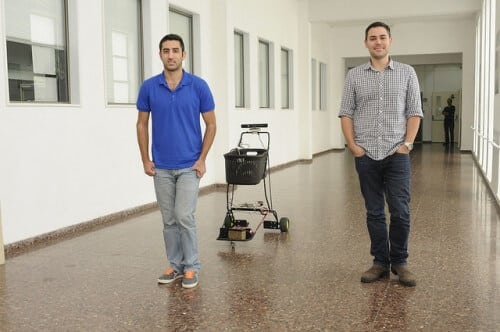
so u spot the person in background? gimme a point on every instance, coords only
(175, 100)
(380, 115)
(449, 122)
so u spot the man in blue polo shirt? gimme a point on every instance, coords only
(175, 100)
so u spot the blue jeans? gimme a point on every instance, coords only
(177, 195)
(390, 179)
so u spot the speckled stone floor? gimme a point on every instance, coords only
(304, 280)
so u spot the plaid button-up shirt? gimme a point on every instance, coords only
(379, 103)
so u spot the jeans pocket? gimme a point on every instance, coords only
(400, 155)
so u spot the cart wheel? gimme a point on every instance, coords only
(228, 221)
(284, 224)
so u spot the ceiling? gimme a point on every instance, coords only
(344, 13)
(356, 12)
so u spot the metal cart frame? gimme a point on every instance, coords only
(248, 166)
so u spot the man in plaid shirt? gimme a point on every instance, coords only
(380, 116)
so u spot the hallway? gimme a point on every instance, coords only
(304, 280)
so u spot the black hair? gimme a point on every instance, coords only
(172, 36)
(375, 25)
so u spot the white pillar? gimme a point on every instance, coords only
(304, 75)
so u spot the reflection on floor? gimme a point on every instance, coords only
(304, 280)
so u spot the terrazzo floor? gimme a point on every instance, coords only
(305, 280)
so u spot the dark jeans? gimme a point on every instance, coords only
(449, 127)
(390, 179)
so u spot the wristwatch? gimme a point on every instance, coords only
(409, 145)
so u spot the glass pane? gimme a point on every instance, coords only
(42, 30)
(263, 74)
(119, 41)
(36, 50)
(285, 81)
(181, 24)
(123, 47)
(238, 70)
(322, 87)
(44, 60)
(20, 61)
(120, 69)
(314, 76)
(45, 88)
(36, 21)
(121, 92)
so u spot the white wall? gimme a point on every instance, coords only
(66, 164)
(326, 124)
(277, 24)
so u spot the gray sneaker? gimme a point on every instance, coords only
(169, 276)
(406, 278)
(375, 273)
(190, 279)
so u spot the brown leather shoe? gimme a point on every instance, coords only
(375, 273)
(406, 278)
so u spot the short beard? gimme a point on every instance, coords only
(177, 67)
(377, 56)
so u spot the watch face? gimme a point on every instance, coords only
(409, 146)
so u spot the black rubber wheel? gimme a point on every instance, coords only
(228, 221)
(284, 224)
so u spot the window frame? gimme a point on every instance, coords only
(66, 77)
(140, 59)
(314, 90)
(188, 44)
(239, 84)
(323, 86)
(269, 72)
(288, 80)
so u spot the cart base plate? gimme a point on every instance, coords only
(235, 234)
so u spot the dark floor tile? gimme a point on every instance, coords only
(304, 280)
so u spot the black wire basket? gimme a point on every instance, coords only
(245, 166)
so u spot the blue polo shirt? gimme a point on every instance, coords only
(175, 117)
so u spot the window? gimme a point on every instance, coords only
(323, 92)
(182, 24)
(123, 48)
(314, 92)
(286, 78)
(265, 78)
(239, 69)
(37, 51)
